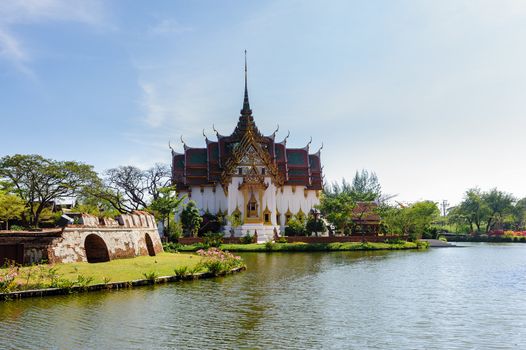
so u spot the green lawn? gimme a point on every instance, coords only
(119, 270)
(163, 264)
(306, 247)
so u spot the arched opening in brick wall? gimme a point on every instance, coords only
(96, 249)
(149, 245)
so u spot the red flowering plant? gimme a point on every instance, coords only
(219, 262)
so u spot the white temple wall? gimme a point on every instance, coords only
(275, 199)
(269, 200)
(293, 201)
(208, 199)
(235, 196)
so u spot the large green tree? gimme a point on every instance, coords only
(519, 214)
(412, 220)
(128, 188)
(11, 207)
(473, 209)
(485, 211)
(336, 205)
(40, 181)
(500, 205)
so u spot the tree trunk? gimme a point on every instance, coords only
(36, 216)
(490, 221)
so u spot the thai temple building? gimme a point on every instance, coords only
(251, 176)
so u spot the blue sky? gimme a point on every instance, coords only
(428, 94)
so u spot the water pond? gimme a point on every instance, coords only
(443, 298)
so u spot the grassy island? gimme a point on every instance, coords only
(83, 276)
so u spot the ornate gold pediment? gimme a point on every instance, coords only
(250, 151)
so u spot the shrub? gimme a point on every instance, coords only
(171, 247)
(442, 238)
(213, 239)
(269, 245)
(181, 271)
(396, 240)
(175, 230)
(282, 240)
(295, 227)
(422, 244)
(219, 262)
(150, 276)
(83, 281)
(246, 239)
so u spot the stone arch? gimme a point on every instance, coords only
(96, 249)
(149, 245)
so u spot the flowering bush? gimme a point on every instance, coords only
(219, 262)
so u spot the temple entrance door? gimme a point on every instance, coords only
(252, 207)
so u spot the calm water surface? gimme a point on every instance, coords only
(448, 298)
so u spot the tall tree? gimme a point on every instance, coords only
(500, 204)
(519, 213)
(129, 188)
(337, 205)
(474, 209)
(365, 186)
(39, 181)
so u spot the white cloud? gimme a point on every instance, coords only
(22, 12)
(34, 11)
(11, 50)
(155, 111)
(169, 26)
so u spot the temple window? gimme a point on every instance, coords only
(262, 171)
(266, 216)
(240, 171)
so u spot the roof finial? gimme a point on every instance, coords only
(246, 105)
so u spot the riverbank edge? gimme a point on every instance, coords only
(312, 247)
(486, 239)
(113, 285)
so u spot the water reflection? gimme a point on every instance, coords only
(443, 298)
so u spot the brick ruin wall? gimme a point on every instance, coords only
(126, 237)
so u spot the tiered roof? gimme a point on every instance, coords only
(218, 162)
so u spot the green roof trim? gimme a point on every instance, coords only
(295, 158)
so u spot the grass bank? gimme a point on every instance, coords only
(312, 247)
(119, 272)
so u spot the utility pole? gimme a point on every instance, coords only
(444, 207)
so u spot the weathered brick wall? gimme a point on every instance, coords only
(125, 237)
(35, 244)
(120, 242)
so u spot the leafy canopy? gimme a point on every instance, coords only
(39, 181)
